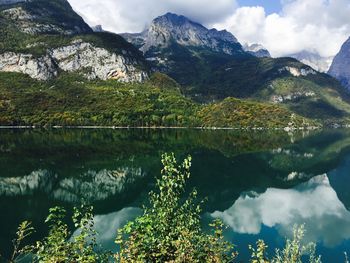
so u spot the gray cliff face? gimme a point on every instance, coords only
(79, 56)
(313, 60)
(340, 68)
(171, 28)
(42, 68)
(257, 50)
(99, 63)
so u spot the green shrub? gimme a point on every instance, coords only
(170, 228)
(293, 252)
(60, 245)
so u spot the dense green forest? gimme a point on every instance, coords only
(71, 100)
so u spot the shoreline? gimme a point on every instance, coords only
(286, 129)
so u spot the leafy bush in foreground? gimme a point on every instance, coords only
(170, 229)
(60, 245)
(293, 251)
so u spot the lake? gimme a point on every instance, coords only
(259, 183)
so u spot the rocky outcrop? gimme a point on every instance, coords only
(97, 62)
(42, 68)
(257, 50)
(170, 28)
(298, 72)
(340, 68)
(294, 96)
(79, 56)
(97, 28)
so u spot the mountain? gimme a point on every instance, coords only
(43, 38)
(340, 67)
(257, 50)
(212, 65)
(97, 28)
(313, 60)
(54, 71)
(174, 29)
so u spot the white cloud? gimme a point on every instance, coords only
(318, 26)
(133, 15)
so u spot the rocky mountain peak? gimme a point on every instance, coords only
(97, 28)
(257, 50)
(172, 28)
(172, 20)
(340, 68)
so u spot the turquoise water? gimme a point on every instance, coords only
(260, 184)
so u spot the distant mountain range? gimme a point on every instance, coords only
(212, 65)
(47, 40)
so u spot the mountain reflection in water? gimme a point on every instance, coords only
(259, 183)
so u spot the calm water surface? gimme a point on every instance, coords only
(260, 184)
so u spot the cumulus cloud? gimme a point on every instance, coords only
(317, 26)
(133, 15)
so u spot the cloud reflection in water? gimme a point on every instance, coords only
(314, 204)
(107, 225)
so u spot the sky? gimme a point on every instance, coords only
(284, 27)
(271, 6)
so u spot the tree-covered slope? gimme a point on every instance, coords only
(71, 100)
